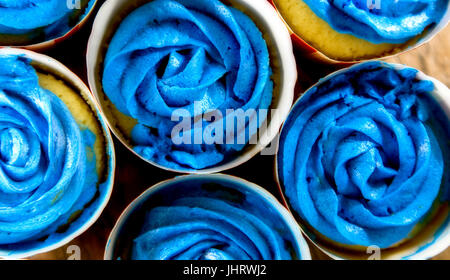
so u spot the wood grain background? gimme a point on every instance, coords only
(135, 176)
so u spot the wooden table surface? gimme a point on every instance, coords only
(135, 176)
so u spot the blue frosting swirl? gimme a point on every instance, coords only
(46, 175)
(171, 54)
(393, 21)
(53, 18)
(361, 155)
(205, 220)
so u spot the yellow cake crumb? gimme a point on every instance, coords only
(319, 34)
(80, 110)
(124, 123)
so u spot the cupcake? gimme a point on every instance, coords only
(363, 162)
(26, 22)
(189, 84)
(359, 29)
(56, 157)
(209, 217)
